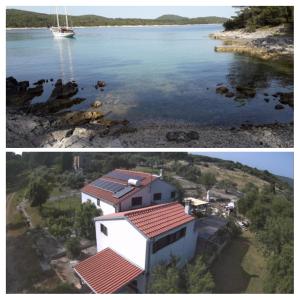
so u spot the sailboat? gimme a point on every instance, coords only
(62, 31)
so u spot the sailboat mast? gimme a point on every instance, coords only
(67, 24)
(57, 18)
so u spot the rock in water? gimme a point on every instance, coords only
(101, 84)
(96, 104)
(279, 106)
(245, 92)
(62, 91)
(222, 90)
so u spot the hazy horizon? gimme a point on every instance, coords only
(145, 12)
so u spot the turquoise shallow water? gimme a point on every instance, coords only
(164, 73)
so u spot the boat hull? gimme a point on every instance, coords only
(63, 34)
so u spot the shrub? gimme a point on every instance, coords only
(73, 247)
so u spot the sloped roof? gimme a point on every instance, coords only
(154, 220)
(108, 196)
(107, 271)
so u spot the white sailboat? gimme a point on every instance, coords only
(62, 31)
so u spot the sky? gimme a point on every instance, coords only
(146, 12)
(279, 163)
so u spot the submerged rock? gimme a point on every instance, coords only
(279, 106)
(54, 105)
(222, 90)
(245, 92)
(229, 94)
(287, 98)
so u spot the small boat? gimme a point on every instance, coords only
(62, 31)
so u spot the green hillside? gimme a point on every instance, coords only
(19, 18)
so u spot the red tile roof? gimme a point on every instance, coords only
(107, 272)
(155, 220)
(109, 196)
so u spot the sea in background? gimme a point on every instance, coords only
(163, 73)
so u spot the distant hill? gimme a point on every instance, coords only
(288, 180)
(20, 18)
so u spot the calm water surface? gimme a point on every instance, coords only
(164, 73)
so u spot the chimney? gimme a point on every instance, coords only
(208, 196)
(161, 173)
(187, 207)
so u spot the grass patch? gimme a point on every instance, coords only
(241, 267)
(68, 203)
(147, 170)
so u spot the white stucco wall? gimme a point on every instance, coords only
(123, 238)
(105, 207)
(184, 248)
(158, 186)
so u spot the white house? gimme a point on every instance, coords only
(131, 243)
(122, 190)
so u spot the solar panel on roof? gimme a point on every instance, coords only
(123, 176)
(123, 192)
(107, 185)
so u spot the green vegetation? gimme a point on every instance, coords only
(272, 220)
(19, 18)
(208, 180)
(253, 17)
(73, 247)
(84, 223)
(38, 192)
(169, 279)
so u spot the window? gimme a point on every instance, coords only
(173, 195)
(103, 229)
(168, 239)
(157, 196)
(98, 202)
(136, 201)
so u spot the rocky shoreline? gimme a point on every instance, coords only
(265, 43)
(51, 124)
(38, 131)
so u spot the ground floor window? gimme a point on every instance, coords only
(98, 202)
(173, 194)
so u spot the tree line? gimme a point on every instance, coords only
(253, 17)
(19, 18)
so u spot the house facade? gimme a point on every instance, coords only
(142, 237)
(122, 190)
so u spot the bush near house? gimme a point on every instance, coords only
(193, 278)
(73, 247)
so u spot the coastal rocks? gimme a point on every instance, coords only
(79, 118)
(19, 93)
(40, 82)
(100, 84)
(222, 90)
(182, 136)
(287, 98)
(62, 91)
(54, 105)
(279, 106)
(96, 104)
(229, 94)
